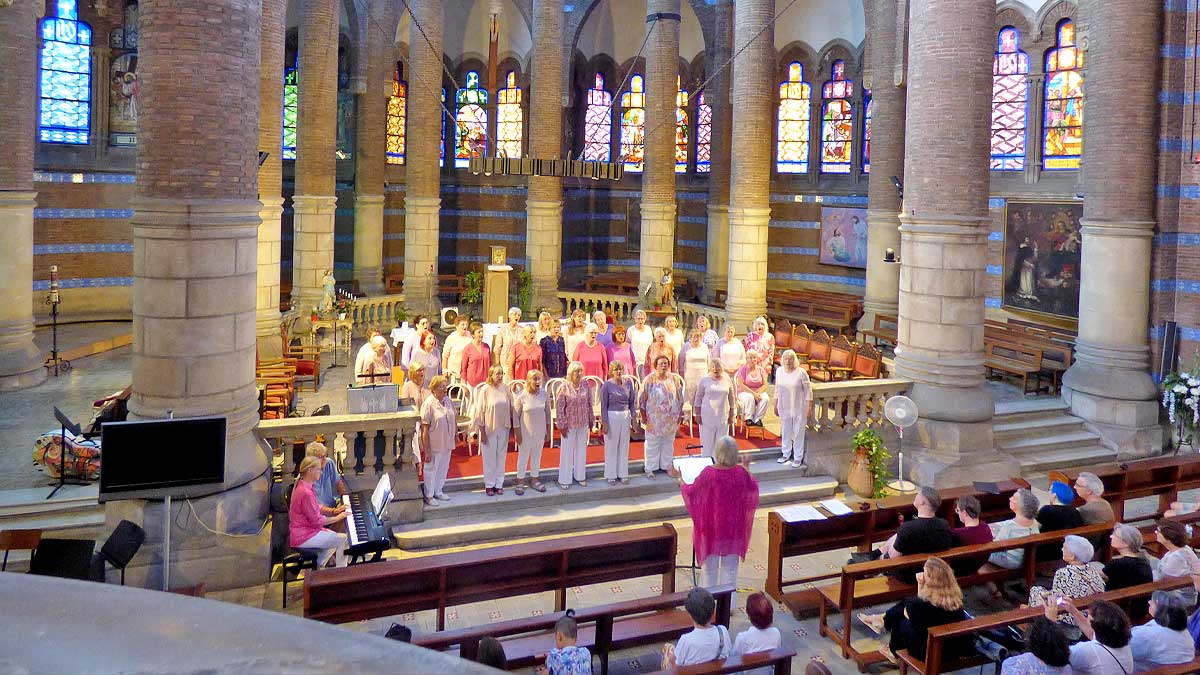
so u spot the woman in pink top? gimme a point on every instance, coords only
(721, 502)
(476, 358)
(660, 347)
(415, 389)
(591, 353)
(760, 340)
(573, 410)
(439, 423)
(493, 420)
(306, 525)
(525, 355)
(621, 350)
(510, 335)
(751, 381)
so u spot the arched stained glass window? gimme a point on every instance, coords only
(1010, 96)
(795, 97)
(633, 125)
(597, 125)
(837, 122)
(681, 128)
(703, 135)
(1063, 131)
(509, 118)
(397, 120)
(65, 106)
(868, 113)
(291, 102)
(471, 118)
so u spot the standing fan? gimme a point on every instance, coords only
(902, 412)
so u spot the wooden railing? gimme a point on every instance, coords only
(378, 310)
(385, 437)
(851, 406)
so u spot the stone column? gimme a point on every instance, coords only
(1109, 385)
(944, 231)
(887, 159)
(316, 141)
(370, 154)
(195, 226)
(544, 205)
(750, 164)
(1035, 104)
(716, 95)
(658, 181)
(270, 179)
(20, 359)
(422, 200)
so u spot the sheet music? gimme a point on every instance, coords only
(690, 467)
(795, 514)
(836, 506)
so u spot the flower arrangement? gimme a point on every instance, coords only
(341, 305)
(1181, 398)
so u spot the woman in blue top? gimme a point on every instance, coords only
(554, 352)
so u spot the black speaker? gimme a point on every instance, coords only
(1170, 348)
(67, 558)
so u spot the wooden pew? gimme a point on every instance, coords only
(602, 629)
(1014, 359)
(1164, 477)
(779, 658)
(1057, 357)
(437, 581)
(936, 661)
(866, 584)
(447, 284)
(880, 331)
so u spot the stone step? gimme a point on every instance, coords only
(1006, 430)
(1066, 458)
(577, 515)
(1030, 409)
(1045, 443)
(73, 506)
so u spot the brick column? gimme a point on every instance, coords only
(658, 181)
(716, 94)
(887, 159)
(422, 200)
(270, 179)
(1109, 385)
(944, 231)
(195, 226)
(370, 153)
(750, 164)
(316, 140)
(544, 205)
(20, 359)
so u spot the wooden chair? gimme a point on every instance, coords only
(307, 361)
(783, 337)
(819, 347)
(840, 364)
(594, 383)
(18, 540)
(868, 363)
(801, 337)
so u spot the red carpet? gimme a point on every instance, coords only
(463, 465)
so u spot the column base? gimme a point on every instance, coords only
(1131, 428)
(312, 246)
(946, 454)
(658, 241)
(20, 359)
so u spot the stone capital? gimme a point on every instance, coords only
(368, 200)
(1092, 227)
(17, 199)
(658, 210)
(320, 205)
(414, 205)
(543, 209)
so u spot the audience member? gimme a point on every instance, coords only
(1164, 640)
(508, 336)
(493, 418)
(1106, 651)
(1095, 509)
(426, 354)
(674, 334)
(660, 406)
(476, 358)
(573, 412)
(420, 325)
(491, 653)
(604, 329)
(706, 641)
(306, 525)
(760, 340)
(592, 354)
(1024, 506)
(399, 632)
(640, 337)
(617, 401)
(554, 353)
(660, 347)
(525, 355)
(927, 533)
(1128, 566)
(693, 364)
(576, 325)
(713, 408)
(454, 345)
(414, 385)
(707, 335)
(1079, 578)
(531, 410)
(939, 601)
(439, 424)
(567, 658)
(793, 398)
(620, 350)
(330, 487)
(1059, 514)
(730, 351)
(972, 532)
(1049, 652)
(752, 384)
(761, 636)
(1179, 560)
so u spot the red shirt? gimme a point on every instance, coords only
(594, 359)
(525, 358)
(476, 361)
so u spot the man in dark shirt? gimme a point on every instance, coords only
(927, 533)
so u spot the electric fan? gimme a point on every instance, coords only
(902, 412)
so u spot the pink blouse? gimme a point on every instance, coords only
(573, 406)
(594, 359)
(524, 359)
(754, 379)
(763, 344)
(476, 361)
(443, 423)
(624, 354)
(721, 502)
(304, 514)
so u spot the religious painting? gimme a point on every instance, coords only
(123, 96)
(844, 237)
(1042, 247)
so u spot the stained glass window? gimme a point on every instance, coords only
(1063, 139)
(291, 103)
(397, 120)
(64, 113)
(597, 125)
(1010, 95)
(837, 122)
(509, 118)
(681, 128)
(703, 135)
(868, 112)
(471, 118)
(795, 97)
(633, 124)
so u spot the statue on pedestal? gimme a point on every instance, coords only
(668, 289)
(328, 293)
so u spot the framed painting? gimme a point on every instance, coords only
(1042, 248)
(844, 237)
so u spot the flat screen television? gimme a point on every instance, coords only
(155, 458)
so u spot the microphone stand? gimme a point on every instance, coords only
(54, 299)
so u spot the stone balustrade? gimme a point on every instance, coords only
(376, 310)
(618, 307)
(853, 405)
(690, 311)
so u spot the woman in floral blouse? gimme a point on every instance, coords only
(573, 408)
(1078, 579)
(660, 407)
(760, 340)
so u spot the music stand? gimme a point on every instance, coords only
(694, 567)
(66, 425)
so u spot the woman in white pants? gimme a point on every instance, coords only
(751, 383)
(660, 407)
(531, 409)
(306, 524)
(439, 423)
(713, 406)
(793, 395)
(617, 400)
(573, 410)
(493, 420)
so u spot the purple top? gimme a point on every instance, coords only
(617, 397)
(721, 502)
(554, 356)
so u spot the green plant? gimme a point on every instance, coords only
(877, 457)
(401, 315)
(473, 294)
(525, 290)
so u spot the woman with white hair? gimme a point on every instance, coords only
(730, 351)
(377, 369)
(1024, 506)
(306, 524)
(693, 363)
(760, 340)
(531, 409)
(493, 420)
(660, 347)
(793, 398)
(604, 327)
(713, 406)
(660, 406)
(573, 412)
(640, 336)
(674, 334)
(751, 382)
(510, 335)
(1079, 578)
(1095, 509)
(439, 423)
(592, 354)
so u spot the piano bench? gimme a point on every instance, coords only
(293, 563)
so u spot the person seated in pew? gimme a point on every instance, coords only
(972, 532)
(1164, 640)
(927, 533)
(491, 653)
(1179, 560)
(1024, 506)
(761, 636)
(1079, 578)
(330, 487)
(939, 601)
(1059, 514)
(399, 632)
(1095, 509)
(306, 524)
(567, 658)
(706, 641)
(1106, 628)
(1049, 652)
(1129, 566)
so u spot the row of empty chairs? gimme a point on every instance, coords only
(825, 358)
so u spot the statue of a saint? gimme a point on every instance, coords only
(329, 292)
(668, 289)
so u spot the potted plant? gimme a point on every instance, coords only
(401, 315)
(524, 291)
(868, 474)
(473, 288)
(1181, 399)
(342, 307)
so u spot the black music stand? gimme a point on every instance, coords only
(67, 425)
(694, 567)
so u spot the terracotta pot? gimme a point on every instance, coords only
(860, 478)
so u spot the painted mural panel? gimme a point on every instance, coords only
(1042, 246)
(844, 237)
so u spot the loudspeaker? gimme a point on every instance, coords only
(1170, 347)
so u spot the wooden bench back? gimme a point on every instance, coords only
(1021, 353)
(1164, 477)
(780, 658)
(868, 362)
(819, 345)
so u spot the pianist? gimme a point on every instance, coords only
(330, 486)
(306, 525)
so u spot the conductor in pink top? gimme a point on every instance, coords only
(721, 502)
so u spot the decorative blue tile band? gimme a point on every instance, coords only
(796, 224)
(393, 212)
(92, 282)
(995, 235)
(993, 303)
(519, 190)
(690, 267)
(793, 250)
(829, 200)
(602, 263)
(1175, 98)
(995, 270)
(691, 196)
(1176, 6)
(481, 236)
(83, 213)
(343, 239)
(343, 266)
(394, 236)
(1177, 51)
(1188, 286)
(690, 243)
(694, 220)
(819, 278)
(1179, 191)
(1186, 332)
(53, 249)
(997, 202)
(616, 239)
(62, 177)
(476, 213)
(1171, 144)
(579, 217)
(1177, 239)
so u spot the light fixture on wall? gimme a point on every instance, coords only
(890, 257)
